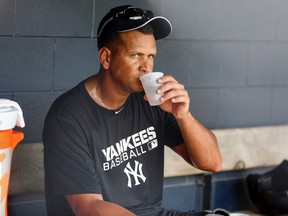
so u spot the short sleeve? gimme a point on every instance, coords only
(173, 136)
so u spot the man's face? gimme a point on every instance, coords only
(130, 58)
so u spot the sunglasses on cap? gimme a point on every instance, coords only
(130, 14)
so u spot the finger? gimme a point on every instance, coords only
(180, 99)
(180, 94)
(169, 86)
(167, 78)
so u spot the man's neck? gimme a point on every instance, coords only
(101, 91)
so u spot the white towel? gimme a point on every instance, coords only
(9, 103)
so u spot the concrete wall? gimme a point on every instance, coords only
(231, 55)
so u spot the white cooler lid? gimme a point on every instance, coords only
(8, 117)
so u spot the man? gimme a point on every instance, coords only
(104, 144)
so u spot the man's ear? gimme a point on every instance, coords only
(104, 57)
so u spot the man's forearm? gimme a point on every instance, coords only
(103, 208)
(201, 144)
(93, 205)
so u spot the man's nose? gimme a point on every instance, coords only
(146, 66)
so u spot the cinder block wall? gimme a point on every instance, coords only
(232, 55)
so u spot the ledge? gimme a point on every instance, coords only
(241, 149)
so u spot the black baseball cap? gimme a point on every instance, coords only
(127, 18)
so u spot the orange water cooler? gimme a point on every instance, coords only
(9, 138)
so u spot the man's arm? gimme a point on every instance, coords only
(93, 205)
(200, 146)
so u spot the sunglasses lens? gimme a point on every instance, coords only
(149, 14)
(133, 12)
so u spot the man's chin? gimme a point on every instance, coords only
(139, 89)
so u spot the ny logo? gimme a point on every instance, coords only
(136, 173)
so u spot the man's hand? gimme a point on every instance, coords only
(175, 99)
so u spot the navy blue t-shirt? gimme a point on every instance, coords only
(119, 154)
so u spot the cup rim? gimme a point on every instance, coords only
(148, 74)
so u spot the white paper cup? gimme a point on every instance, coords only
(150, 85)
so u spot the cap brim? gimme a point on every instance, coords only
(161, 26)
